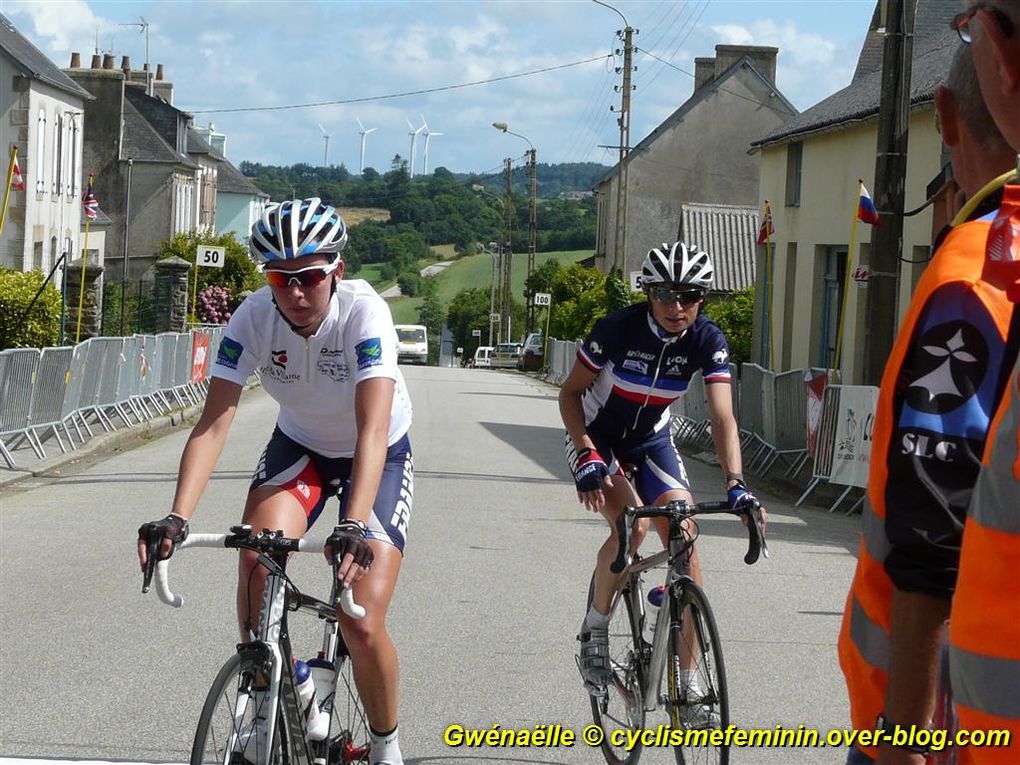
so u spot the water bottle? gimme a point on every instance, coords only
(318, 723)
(656, 597)
(324, 676)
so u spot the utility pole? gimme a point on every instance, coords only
(890, 182)
(124, 266)
(508, 214)
(619, 249)
(532, 233)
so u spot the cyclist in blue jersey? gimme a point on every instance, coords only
(615, 405)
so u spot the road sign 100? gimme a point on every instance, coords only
(212, 257)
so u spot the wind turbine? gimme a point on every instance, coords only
(325, 154)
(363, 133)
(428, 135)
(414, 138)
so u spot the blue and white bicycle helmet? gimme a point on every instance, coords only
(296, 228)
(677, 263)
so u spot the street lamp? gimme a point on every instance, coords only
(496, 253)
(533, 222)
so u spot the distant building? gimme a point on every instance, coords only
(127, 124)
(699, 154)
(809, 171)
(239, 202)
(42, 111)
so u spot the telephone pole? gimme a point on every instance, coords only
(508, 214)
(619, 250)
(890, 182)
(532, 233)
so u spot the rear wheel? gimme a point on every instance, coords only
(233, 725)
(620, 707)
(696, 679)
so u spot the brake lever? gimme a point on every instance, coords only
(150, 564)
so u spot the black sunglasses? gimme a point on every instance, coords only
(685, 296)
(961, 22)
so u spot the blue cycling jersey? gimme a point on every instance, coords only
(642, 369)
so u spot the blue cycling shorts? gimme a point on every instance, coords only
(312, 479)
(657, 463)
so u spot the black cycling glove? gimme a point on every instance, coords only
(349, 536)
(173, 527)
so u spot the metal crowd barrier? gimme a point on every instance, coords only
(61, 393)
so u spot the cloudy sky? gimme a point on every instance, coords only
(247, 56)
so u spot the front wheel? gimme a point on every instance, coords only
(620, 707)
(348, 729)
(233, 726)
(696, 677)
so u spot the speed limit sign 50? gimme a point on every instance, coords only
(211, 256)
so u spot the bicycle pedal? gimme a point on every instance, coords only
(595, 691)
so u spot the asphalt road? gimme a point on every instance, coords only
(486, 611)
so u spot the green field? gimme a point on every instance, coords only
(476, 271)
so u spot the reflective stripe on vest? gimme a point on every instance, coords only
(996, 503)
(871, 640)
(985, 683)
(875, 540)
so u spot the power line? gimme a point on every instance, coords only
(693, 24)
(395, 95)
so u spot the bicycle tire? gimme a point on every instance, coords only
(622, 707)
(222, 727)
(693, 631)
(348, 740)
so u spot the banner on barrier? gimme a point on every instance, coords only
(199, 356)
(815, 395)
(851, 458)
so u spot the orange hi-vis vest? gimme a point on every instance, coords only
(928, 439)
(984, 624)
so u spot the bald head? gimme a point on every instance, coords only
(962, 83)
(995, 45)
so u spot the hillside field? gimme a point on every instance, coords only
(476, 271)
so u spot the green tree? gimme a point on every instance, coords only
(468, 310)
(618, 293)
(239, 271)
(735, 317)
(579, 299)
(41, 326)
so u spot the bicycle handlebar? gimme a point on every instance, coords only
(281, 544)
(679, 509)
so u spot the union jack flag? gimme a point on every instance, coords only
(88, 201)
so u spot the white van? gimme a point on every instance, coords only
(483, 356)
(412, 343)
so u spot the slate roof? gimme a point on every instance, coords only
(934, 46)
(233, 181)
(33, 63)
(705, 92)
(729, 233)
(197, 144)
(143, 143)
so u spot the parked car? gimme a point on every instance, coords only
(482, 355)
(505, 356)
(530, 358)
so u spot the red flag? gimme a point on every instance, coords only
(88, 201)
(766, 230)
(17, 182)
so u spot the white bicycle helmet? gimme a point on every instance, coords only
(296, 228)
(677, 263)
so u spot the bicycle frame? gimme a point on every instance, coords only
(676, 576)
(272, 646)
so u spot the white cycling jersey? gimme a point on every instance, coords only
(313, 379)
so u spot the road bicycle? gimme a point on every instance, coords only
(253, 714)
(685, 645)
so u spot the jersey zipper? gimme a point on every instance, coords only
(655, 378)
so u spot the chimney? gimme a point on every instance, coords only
(97, 61)
(704, 72)
(145, 67)
(75, 60)
(762, 56)
(125, 64)
(159, 71)
(107, 61)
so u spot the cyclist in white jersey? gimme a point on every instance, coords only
(325, 350)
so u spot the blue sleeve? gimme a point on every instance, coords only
(715, 362)
(594, 351)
